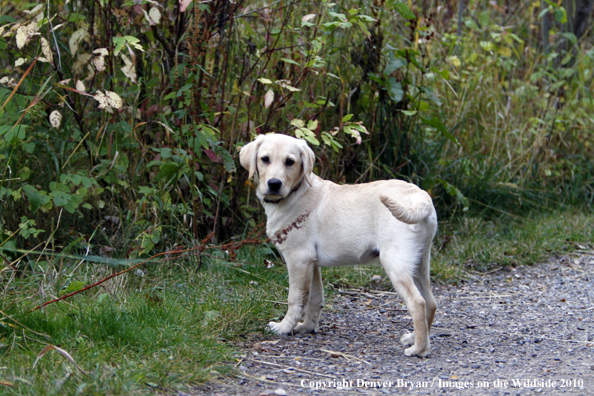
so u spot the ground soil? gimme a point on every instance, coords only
(516, 331)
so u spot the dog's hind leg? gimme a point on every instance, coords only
(300, 280)
(423, 283)
(403, 282)
(314, 305)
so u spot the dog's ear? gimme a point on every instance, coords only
(248, 156)
(308, 158)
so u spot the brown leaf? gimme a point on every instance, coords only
(183, 4)
(62, 352)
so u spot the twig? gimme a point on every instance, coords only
(292, 368)
(279, 238)
(348, 293)
(108, 278)
(344, 355)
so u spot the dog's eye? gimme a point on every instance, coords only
(265, 159)
(289, 162)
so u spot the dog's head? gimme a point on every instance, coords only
(280, 163)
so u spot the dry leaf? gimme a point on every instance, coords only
(19, 62)
(81, 60)
(114, 99)
(108, 100)
(129, 69)
(155, 15)
(99, 60)
(76, 38)
(285, 84)
(80, 86)
(62, 352)
(183, 4)
(22, 36)
(55, 119)
(25, 33)
(47, 51)
(34, 11)
(268, 98)
(8, 81)
(308, 17)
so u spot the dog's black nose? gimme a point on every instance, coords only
(274, 184)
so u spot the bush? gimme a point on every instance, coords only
(120, 122)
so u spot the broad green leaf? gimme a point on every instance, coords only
(394, 65)
(291, 61)
(33, 197)
(436, 123)
(395, 90)
(403, 9)
(72, 287)
(61, 198)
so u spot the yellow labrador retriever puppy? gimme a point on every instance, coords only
(391, 221)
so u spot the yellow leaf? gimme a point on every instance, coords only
(129, 69)
(80, 86)
(268, 98)
(155, 15)
(455, 61)
(308, 17)
(22, 37)
(99, 60)
(47, 50)
(108, 100)
(55, 119)
(504, 51)
(76, 38)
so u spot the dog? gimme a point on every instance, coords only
(316, 223)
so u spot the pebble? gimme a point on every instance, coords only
(486, 328)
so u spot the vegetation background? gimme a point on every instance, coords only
(120, 124)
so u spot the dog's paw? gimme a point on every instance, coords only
(414, 351)
(278, 328)
(408, 340)
(305, 328)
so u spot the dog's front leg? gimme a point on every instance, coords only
(300, 279)
(314, 305)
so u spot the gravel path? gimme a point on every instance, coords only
(520, 331)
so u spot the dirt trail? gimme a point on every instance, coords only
(524, 331)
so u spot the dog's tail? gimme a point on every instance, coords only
(410, 214)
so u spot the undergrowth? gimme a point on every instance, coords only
(120, 124)
(171, 325)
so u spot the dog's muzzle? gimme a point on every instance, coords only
(274, 185)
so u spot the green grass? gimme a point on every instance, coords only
(178, 324)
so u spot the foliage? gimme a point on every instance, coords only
(128, 116)
(166, 326)
(120, 122)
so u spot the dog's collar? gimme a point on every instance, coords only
(275, 201)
